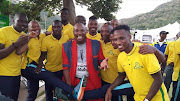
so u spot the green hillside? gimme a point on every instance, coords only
(162, 15)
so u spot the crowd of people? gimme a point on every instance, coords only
(78, 63)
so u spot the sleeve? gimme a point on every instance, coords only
(2, 38)
(65, 59)
(119, 66)
(100, 54)
(50, 28)
(43, 46)
(177, 47)
(167, 49)
(151, 63)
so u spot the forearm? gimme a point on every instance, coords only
(118, 81)
(154, 87)
(21, 50)
(7, 51)
(160, 56)
(67, 76)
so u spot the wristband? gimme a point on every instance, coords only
(146, 99)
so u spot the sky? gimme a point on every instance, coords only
(129, 8)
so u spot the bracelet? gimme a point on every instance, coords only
(14, 45)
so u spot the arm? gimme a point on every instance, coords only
(67, 76)
(147, 49)
(155, 85)
(117, 82)
(4, 52)
(41, 59)
(21, 50)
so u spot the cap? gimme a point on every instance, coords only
(164, 32)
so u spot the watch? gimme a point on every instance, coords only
(146, 99)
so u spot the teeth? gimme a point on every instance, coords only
(120, 46)
(79, 37)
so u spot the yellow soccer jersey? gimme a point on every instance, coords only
(53, 47)
(111, 73)
(138, 69)
(170, 52)
(67, 29)
(176, 60)
(10, 65)
(34, 51)
(95, 37)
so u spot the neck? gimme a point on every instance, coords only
(79, 43)
(92, 33)
(161, 40)
(57, 36)
(129, 49)
(64, 22)
(106, 41)
(16, 29)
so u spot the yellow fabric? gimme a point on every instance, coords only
(34, 51)
(110, 74)
(53, 47)
(176, 60)
(170, 52)
(67, 29)
(95, 37)
(10, 65)
(138, 69)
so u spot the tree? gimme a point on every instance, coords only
(100, 8)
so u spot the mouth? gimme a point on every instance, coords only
(120, 46)
(93, 29)
(79, 38)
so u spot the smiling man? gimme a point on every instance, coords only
(143, 71)
(81, 58)
(92, 26)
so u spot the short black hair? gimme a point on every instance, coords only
(57, 21)
(93, 18)
(64, 9)
(119, 27)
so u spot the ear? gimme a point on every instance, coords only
(130, 36)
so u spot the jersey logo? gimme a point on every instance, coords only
(110, 52)
(137, 66)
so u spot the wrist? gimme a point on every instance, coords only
(14, 45)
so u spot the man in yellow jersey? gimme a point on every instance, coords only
(169, 54)
(143, 71)
(92, 26)
(176, 71)
(51, 49)
(67, 27)
(114, 22)
(11, 39)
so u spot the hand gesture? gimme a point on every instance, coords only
(104, 64)
(22, 40)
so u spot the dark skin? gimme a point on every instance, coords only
(122, 39)
(57, 28)
(80, 19)
(20, 24)
(64, 17)
(92, 25)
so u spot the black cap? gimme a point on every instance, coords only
(164, 32)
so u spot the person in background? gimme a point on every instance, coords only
(92, 26)
(67, 27)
